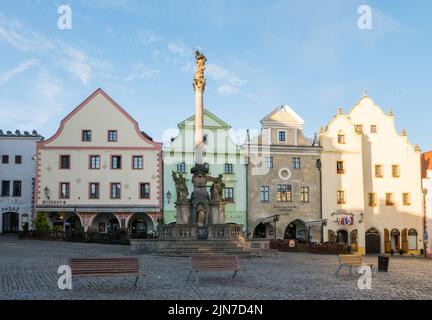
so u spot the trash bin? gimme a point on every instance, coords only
(383, 262)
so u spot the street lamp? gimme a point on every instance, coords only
(275, 219)
(47, 192)
(168, 194)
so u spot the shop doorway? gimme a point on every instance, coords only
(10, 222)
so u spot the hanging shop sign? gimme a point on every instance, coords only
(344, 218)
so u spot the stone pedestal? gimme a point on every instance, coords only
(217, 213)
(182, 213)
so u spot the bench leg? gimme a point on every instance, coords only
(234, 274)
(338, 270)
(136, 280)
(189, 275)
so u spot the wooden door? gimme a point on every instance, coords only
(405, 240)
(387, 243)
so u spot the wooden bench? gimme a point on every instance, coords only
(212, 263)
(104, 267)
(350, 261)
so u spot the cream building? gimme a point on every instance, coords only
(372, 196)
(284, 180)
(99, 171)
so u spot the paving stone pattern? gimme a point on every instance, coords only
(28, 270)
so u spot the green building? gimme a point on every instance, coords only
(222, 156)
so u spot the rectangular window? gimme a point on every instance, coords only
(284, 193)
(372, 199)
(94, 162)
(395, 171)
(304, 193)
(65, 162)
(5, 159)
(145, 191)
(112, 135)
(5, 191)
(229, 194)
(115, 162)
(115, 191)
(340, 167)
(359, 128)
(18, 159)
(64, 190)
(282, 136)
(86, 135)
(229, 168)
(181, 167)
(389, 199)
(16, 191)
(137, 162)
(264, 194)
(296, 163)
(379, 171)
(340, 197)
(94, 190)
(373, 128)
(406, 199)
(268, 162)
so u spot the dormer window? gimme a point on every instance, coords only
(341, 137)
(205, 139)
(282, 136)
(86, 135)
(112, 135)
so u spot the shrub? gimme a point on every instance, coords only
(41, 223)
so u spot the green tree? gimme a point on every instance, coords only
(41, 223)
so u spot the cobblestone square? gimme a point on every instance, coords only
(28, 270)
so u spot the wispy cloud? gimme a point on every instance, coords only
(230, 82)
(36, 108)
(148, 37)
(6, 76)
(142, 72)
(177, 48)
(75, 61)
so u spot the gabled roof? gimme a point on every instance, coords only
(99, 91)
(283, 116)
(219, 122)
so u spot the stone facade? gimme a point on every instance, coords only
(372, 197)
(283, 180)
(222, 156)
(17, 173)
(99, 172)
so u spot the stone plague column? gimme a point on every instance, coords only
(199, 86)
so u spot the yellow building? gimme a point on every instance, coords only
(372, 196)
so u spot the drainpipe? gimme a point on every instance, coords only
(247, 182)
(425, 191)
(319, 165)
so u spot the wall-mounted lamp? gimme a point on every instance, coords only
(47, 192)
(361, 217)
(168, 194)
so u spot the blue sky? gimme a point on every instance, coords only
(308, 54)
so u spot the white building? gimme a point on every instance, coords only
(17, 172)
(99, 172)
(427, 189)
(372, 196)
